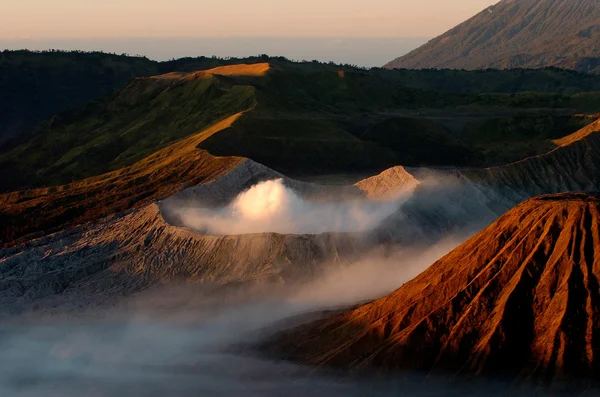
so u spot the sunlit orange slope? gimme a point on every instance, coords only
(159, 175)
(256, 70)
(521, 297)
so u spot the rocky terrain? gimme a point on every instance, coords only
(421, 224)
(449, 200)
(517, 34)
(87, 266)
(197, 182)
(519, 298)
(132, 250)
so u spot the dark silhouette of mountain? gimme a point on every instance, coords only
(35, 86)
(519, 298)
(517, 34)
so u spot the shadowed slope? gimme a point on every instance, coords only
(446, 201)
(520, 297)
(573, 166)
(35, 86)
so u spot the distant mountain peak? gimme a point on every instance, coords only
(517, 34)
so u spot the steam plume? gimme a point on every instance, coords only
(272, 207)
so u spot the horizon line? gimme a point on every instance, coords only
(211, 37)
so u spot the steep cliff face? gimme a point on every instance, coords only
(517, 34)
(520, 297)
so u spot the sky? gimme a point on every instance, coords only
(364, 33)
(43, 19)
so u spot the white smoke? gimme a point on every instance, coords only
(373, 275)
(270, 206)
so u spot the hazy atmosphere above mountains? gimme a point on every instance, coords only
(360, 51)
(186, 18)
(332, 30)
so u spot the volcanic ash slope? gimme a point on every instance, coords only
(522, 298)
(132, 251)
(452, 201)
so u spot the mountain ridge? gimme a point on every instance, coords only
(164, 173)
(517, 34)
(296, 121)
(71, 80)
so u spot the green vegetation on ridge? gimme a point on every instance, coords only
(300, 118)
(37, 85)
(118, 131)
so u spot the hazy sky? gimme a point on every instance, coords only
(209, 18)
(362, 51)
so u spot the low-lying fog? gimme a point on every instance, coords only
(176, 341)
(271, 206)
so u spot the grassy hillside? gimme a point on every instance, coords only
(37, 85)
(340, 121)
(504, 140)
(300, 120)
(165, 172)
(122, 129)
